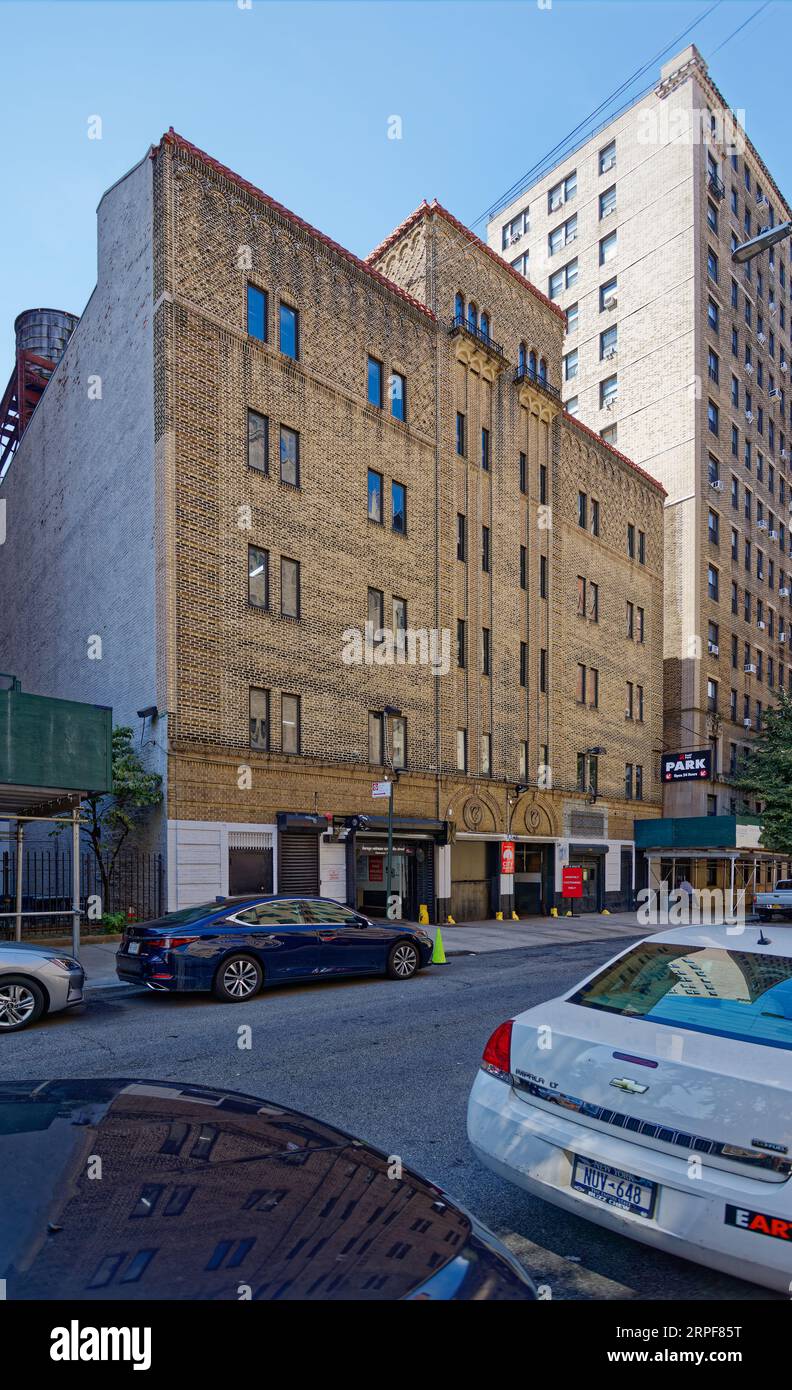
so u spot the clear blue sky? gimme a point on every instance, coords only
(296, 97)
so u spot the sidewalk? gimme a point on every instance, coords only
(479, 937)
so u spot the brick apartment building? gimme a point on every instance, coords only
(682, 357)
(254, 445)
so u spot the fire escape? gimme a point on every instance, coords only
(20, 398)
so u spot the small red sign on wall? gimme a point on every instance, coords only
(376, 867)
(572, 883)
(507, 856)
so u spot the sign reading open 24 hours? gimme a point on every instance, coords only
(687, 767)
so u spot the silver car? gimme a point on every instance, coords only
(35, 980)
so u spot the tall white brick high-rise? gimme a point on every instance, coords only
(680, 357)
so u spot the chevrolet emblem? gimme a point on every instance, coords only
(626, 1083)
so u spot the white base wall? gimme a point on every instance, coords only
(197, 868)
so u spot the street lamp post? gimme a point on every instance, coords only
(388, 758)
(757, 244)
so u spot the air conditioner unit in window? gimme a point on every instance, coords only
(749, 416)
(746, 723)
(783, 592)
(761, 625)
(608, 354)
(713, 649)
(610, 301)
(515, 237)
(611, 402)
(716, 484)
(761, 337)
(773, 535)
(749, 669)
(772, 310)
(775, 394)
(749, 368)
(782, 637)
(609, 211)
(762, 524)
(784, 454)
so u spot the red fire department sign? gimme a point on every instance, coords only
(507, 856)
(572, 883)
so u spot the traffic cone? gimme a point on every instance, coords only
(438, 954)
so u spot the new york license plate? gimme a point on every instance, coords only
(133, 948)
(614, 1187)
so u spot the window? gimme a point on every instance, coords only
(486, 755)
(713, 418)
(630, 619)
(713, 365)
(713, 582)
(512, 231)
(570, 365)
(290, 588)
(543, 484)
(608, 247)
(607, 294)
(641, 625)
(289, 331)
(375, 496)
(641, 547)
(631, 540)
(375, 611)
(543, 670)
(712, 265)
(399, 508)
(257, 313)
(543, 576)
(398, 396)
(398, 740)
(609, 391)
(461, 750)
(561, 236)
(258, 577)
(486, 650)
(289, 456)
(607, 202)
(257, 441)
(460, 432)
(563, 279)
(628, 782)
(485, 449)
(562, 192)
(713, 315)
(259, 719)
(712, 216)
(609, 341)
(485, 549)
(374, 382)
(572, 318)
(375, 743)
(610, 434)
(713, 527)
(461, 537)
(461, 643)
(290, 724)
(523, 663)
(595, 517)
(607, 157)
(523, 472)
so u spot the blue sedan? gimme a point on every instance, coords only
(234, 946)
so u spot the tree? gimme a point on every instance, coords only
(765, 772)
(109, 818)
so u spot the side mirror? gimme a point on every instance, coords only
(361, 922)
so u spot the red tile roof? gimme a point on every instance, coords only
(434, 207)
(616, 452)
(171, 138)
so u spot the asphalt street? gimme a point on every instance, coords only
(393, 1063)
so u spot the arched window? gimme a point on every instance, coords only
(472, 315)
(532, 363)
(484, 324)
(542, 369)
(459, 307)
(522, 359)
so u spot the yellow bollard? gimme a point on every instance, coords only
(498, 916)
(553, 911)
(605, 912)
(450, 921)
(515, 916)
(423, 915)
(568, 912)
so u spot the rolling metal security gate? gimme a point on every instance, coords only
(298, 862)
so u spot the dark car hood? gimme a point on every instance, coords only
(237, 1198)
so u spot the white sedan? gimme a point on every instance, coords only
(655, 1098)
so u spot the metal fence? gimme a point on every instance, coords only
(137, 886)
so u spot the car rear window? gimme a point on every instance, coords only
(733, 994)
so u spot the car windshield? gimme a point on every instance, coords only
(733, 994)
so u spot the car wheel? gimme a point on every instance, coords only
(238, 979)
(403, 960)
(764, 916)
(21, 1002)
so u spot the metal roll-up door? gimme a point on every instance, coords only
(426, 879)
(298, 862)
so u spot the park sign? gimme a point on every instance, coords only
(687, 767)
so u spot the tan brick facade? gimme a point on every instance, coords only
(214, 235)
